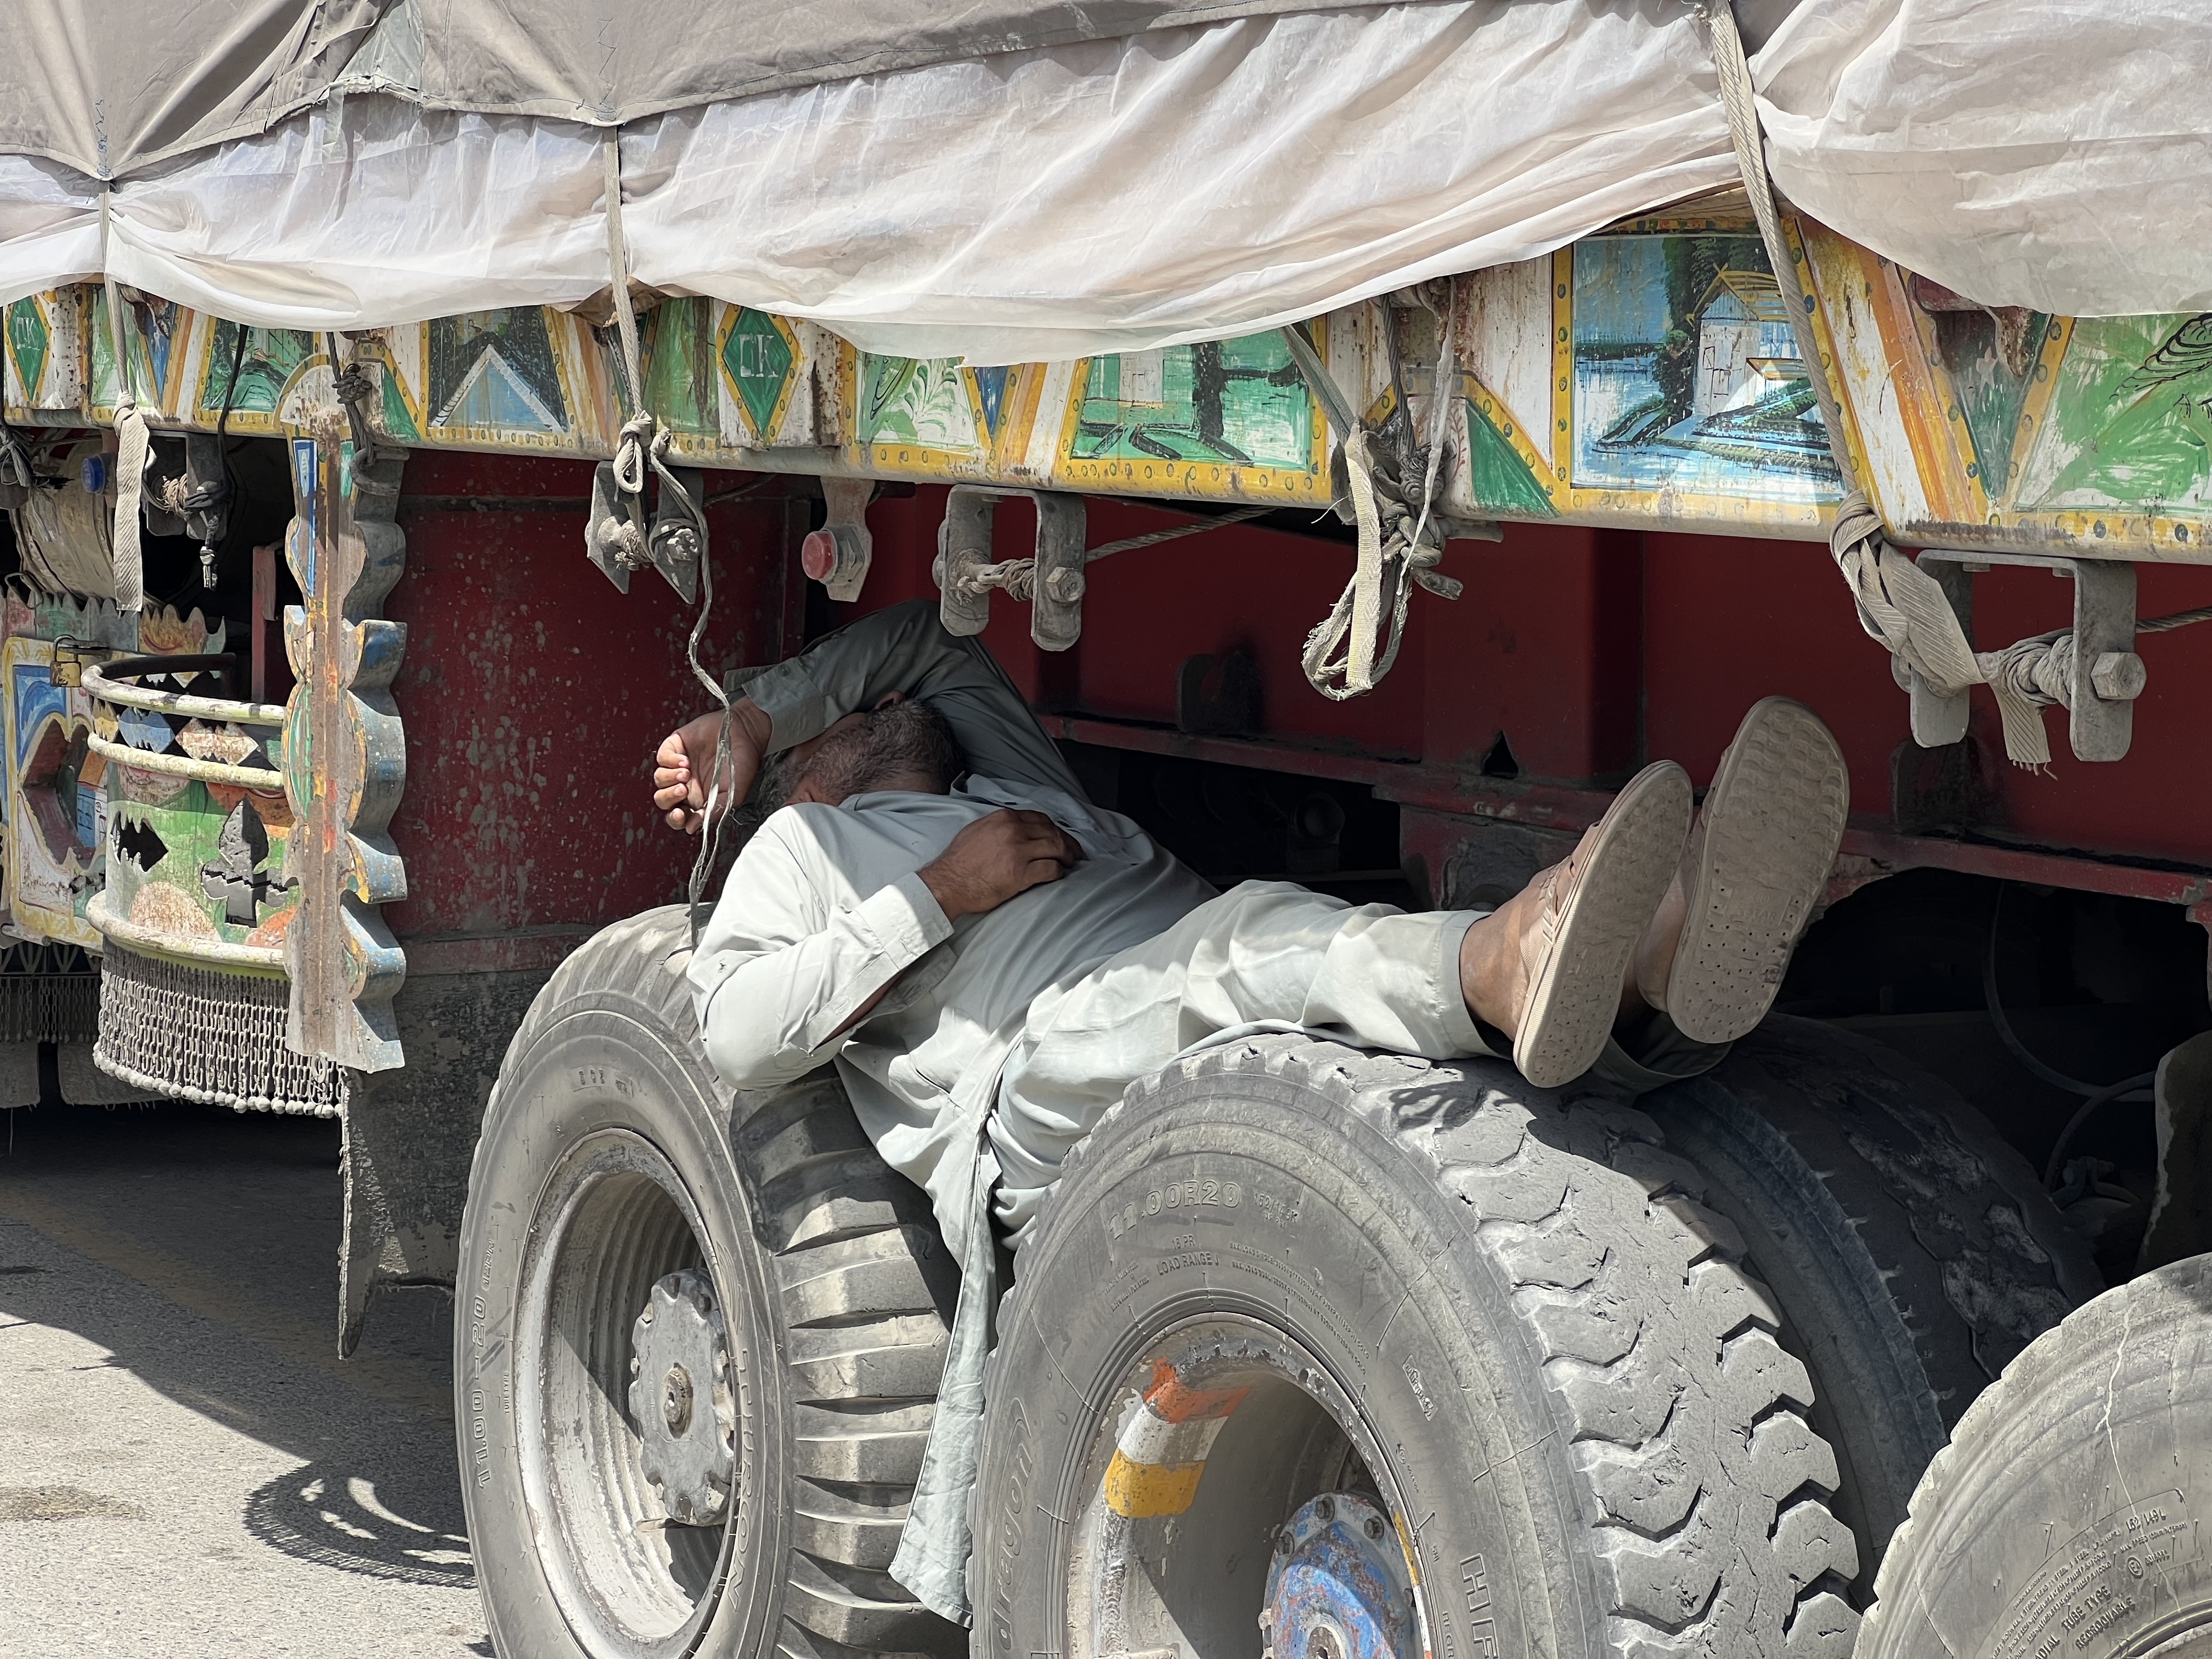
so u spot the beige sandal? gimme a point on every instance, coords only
(1756, 864)
(1595, 905)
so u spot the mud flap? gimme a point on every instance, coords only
(411, 1133)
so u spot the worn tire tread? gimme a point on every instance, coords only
(1914, 1250)
(2081, 1358)
(866, 1300)
(1654, 1344)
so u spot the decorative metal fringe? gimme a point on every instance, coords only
(48, 994)
(211, 1037)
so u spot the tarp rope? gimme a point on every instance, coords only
(1017, 578)
(132, 442)
(1899, 602)
(1343, 656)
(625, 538)
(16, 478)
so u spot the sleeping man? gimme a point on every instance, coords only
(990, 960)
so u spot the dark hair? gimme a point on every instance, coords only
(908, 739)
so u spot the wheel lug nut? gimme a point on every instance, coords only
(1324, 1509)
(1375, 1526)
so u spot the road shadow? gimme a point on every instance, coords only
(218, 1233)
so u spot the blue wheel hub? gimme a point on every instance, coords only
(1339, 1587)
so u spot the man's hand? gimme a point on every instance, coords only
(995, 858)
(685, 766)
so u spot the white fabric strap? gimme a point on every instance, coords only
(1367, 575)
(1899, 602)
(626, 538)
(132, 440)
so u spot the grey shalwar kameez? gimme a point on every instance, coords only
(1007, 1035)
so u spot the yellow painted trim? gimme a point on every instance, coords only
(1684, 224)
(2091, 531)
(849, 380)
(1563, 374)
(1824, 342)
(2035, 408)
(1510, 426)
(1017, 412)
(1949, 415)
(1717, 514)
(1141, 1490)
(1925, 401)
(800, 367)
(1070, 416)
(918, 460)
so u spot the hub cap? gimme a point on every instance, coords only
(679, 1399)
(1339, 1587)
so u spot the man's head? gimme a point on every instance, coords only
(899, 743)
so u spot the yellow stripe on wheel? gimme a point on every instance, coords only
(1140, 1490)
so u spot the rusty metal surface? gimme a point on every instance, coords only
(1576, 653)
(534, 695)
(533, 698)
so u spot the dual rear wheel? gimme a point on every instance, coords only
(1316, 1352)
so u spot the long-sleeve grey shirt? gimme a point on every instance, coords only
(825, 907)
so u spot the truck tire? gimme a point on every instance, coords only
(2072, 1511)
(1912, 1250)
(1285, 1282)
(798, 1283)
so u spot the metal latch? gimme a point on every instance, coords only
(2108, 676)
(70, 655)
(966, 575)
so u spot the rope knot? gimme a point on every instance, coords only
(355, 392)
(643, 440)
(353, 385)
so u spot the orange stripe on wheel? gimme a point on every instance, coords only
(1172, 1402)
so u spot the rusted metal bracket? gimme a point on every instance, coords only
(2108, 676)
(674, 543)
(966, 574)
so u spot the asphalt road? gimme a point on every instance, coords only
(188, 1469)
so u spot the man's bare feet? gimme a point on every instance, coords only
(1547, 967)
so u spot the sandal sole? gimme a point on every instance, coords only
(1774, 818)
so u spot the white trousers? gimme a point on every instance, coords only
(1370, 975)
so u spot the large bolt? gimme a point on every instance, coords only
(1065, 585)
(2118, 676)
(1324, 1509)
(1374, 1527)
(676, 1399)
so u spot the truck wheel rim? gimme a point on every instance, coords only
(614, 1223)
(1226, 1453)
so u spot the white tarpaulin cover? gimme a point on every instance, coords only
(111, 86)
(1183, 182)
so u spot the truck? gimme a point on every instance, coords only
(412, 413)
